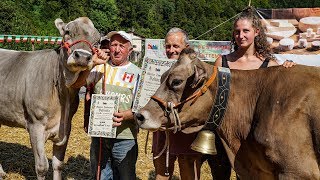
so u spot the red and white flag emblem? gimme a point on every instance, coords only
(127, 77)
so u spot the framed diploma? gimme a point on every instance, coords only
(101, 114)
(152, 69)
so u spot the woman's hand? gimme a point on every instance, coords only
(288, 64)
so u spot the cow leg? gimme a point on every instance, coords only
(219, 164)
(57, 160)
(59, 152)
(37, 138)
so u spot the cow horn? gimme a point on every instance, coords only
(205, 143)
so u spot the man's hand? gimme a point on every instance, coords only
(100, 57)
(122, 116)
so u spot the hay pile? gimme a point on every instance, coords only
(18, 162)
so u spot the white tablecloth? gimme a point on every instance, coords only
(309, 60)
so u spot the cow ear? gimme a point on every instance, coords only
(164, 76)
(193, 56)
(200, 75)
(60, 25)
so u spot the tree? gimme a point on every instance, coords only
(105, 15)
(7, 9)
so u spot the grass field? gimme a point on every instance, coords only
(17, 159)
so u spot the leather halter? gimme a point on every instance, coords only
(194, 96)
(67, 45)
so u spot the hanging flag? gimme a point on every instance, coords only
(17, 39)
(9, 38)
(46, 40)
(25, 39)
(127, 77)
(53, 40)
(32, 39)
(59, 40)
(1, 38)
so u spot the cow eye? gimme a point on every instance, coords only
(67, 32)
(176, 82)
(96, 45)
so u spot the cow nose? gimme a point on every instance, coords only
(82, 55)
(139, 117)
(76, 54)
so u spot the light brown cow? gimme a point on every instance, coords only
(272, 122)
(36, 93)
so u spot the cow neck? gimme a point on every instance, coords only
(221, 100)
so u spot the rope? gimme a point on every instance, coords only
(218, 25)
(167, 155)
(264, 20)
(99, 160)
(176, 119)
(100, 138)
(166, 144)
(146, 144)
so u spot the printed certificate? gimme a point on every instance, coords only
(101, 114)
(152, 69)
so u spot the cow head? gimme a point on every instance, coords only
(79, 39)
(181, 81)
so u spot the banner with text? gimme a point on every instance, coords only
(207, 50)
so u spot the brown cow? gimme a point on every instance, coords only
(272, 123)
(36, 91)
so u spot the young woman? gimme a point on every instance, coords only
(251, 49)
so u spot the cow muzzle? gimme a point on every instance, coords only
(79, 60)
(171, 113)
(144, 121)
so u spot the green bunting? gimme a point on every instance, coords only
(32, 39)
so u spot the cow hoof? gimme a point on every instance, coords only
(2, 173)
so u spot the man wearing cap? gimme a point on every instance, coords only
(118, 155)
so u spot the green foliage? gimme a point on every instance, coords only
(104, 14)
(294, 3)
(149, 18)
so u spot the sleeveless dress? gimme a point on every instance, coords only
(225, 62)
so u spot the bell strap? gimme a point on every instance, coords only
(221, 100)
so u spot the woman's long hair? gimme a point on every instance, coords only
(262, 47)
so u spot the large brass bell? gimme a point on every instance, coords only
(205, 143)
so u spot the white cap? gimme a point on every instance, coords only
(104, 38)
(125, 35)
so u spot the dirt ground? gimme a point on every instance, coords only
(17, 159)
